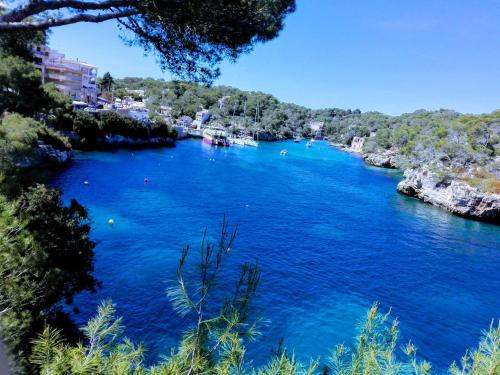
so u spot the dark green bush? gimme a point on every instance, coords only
(87, 127)
(115, 124)
(161, 129)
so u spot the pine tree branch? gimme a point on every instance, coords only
(53, 22)
(33, 8)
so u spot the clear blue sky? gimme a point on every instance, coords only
(392, 56)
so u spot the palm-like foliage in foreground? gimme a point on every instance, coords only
(215, 343)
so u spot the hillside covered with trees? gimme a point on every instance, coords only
(446, 139)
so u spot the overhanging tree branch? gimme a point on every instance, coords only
(53, 22)
(188, 37)
(34, 8)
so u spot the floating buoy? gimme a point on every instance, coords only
(111, 221)
(85, 182)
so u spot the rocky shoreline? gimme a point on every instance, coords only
(449, 193)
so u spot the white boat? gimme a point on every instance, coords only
(215, 137)
(237, 141)
(250, 142)
(284, 152)
(309, 144)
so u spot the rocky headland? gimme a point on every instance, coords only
(439, 185)
(451, 193)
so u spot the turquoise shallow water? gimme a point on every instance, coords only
(330, 234)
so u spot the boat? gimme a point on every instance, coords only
(215, 137)
(284, 152)
(236, 141)
(297, 139)
(309, 144)
(250, 142)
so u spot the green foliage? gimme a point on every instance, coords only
(20, 86)
(87, 127)
(159, 128)
(58, 111)
(383, 138)
(46, 257)
(245, 112)
(483, 360)
(113, 123)
(19, 139)
(107, 82)
(101, 355)
(191, 37)
(18, 43)
(375, 351)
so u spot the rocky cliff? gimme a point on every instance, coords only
(451, 194)
(357, 145)
(48, 154)
(385, 159)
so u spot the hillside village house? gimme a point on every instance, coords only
(317, 128)
(74, 78)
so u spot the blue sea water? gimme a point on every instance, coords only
(330, 234)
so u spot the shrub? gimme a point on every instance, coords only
(53, 138)
(383, 138)
(18, 140)
(87, 127)
(115, 124)
(46, 258)
(160, 128)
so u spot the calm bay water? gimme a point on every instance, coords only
(331, 235)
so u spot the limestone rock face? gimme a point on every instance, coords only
(451, 194)
(47, 154)
(357, 144)
(386, 159)
(119, 140)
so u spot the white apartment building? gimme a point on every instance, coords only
(74, 78)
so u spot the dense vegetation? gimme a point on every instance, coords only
(236, 109)
(454, 145)
(94, 128)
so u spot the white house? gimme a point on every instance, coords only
(317, 128)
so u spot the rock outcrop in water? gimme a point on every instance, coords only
(451, 194)
(48, 154)
(111, 141)
(118, 140)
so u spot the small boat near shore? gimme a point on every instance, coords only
(251, 142)
(215, 137)
(236, 141)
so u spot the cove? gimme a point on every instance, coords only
(330, 234)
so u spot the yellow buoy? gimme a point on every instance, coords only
(111, 221)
